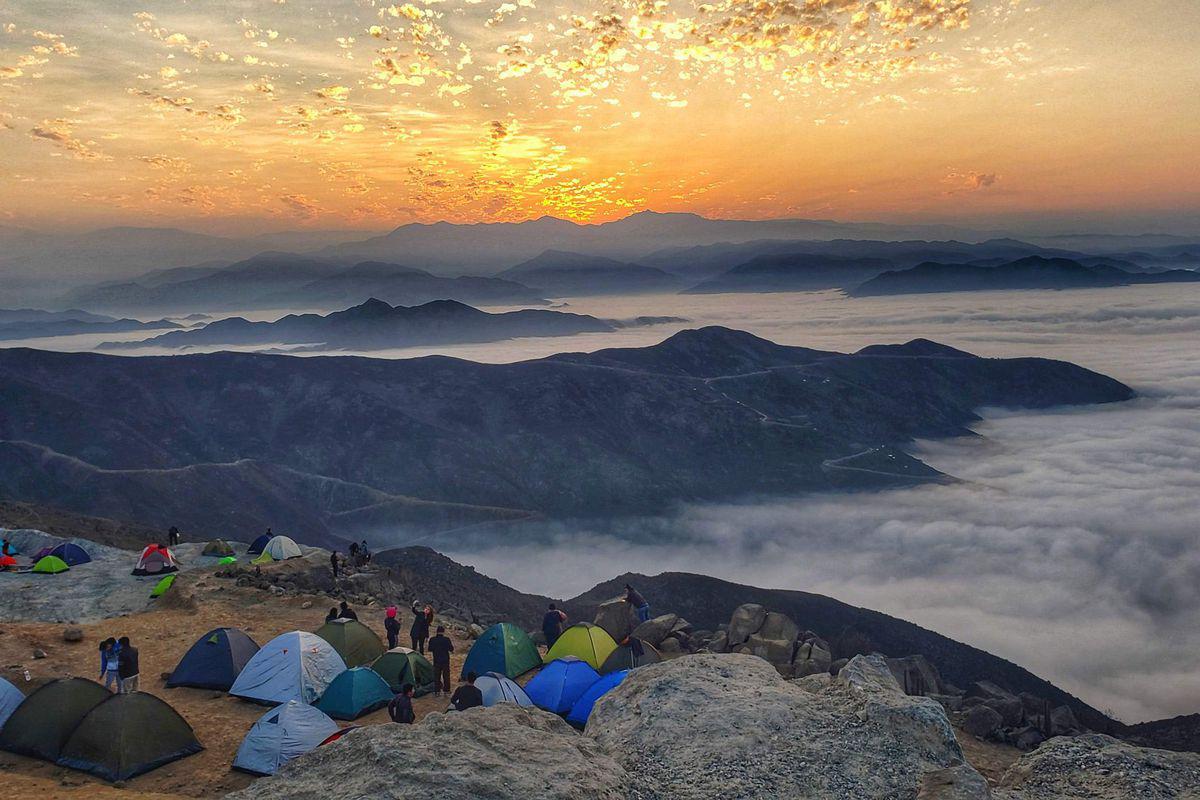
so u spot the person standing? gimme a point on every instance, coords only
(467, 695)
(401, 707)
(127, 666)
(392, 626)
(419, 632)
(110, 664)
(333, 563)
(173, 536)
(440, 647)
(635, 599)
(552, 625)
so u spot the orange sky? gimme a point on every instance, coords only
(352, 113)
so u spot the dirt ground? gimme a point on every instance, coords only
(990, 759)
(162, 636)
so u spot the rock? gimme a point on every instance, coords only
(815, 683)
(1010, 709)
(728, 726)
(1027, 738)
(657, 629)
(950, 702)
(39, 652)
(73, 634)
(682, 627)
(307, 604)
(836, 666)
(719, 643)
(474, 631)
(501, 753)
(618, 618)
(1099, 767)
(988, 691)
(1063, 722)
(746, 621)
(959, 782)
(981, 721)
(277, 590)
(776, 651)
(670, 647)
(811, 659)
(869, 674)
(916, 675)
(779, 626)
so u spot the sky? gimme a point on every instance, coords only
(275, 114)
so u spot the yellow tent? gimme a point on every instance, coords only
(586, 642)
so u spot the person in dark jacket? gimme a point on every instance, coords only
(552, 625)
(392, 626)
(401, 707)
(332, 615)
(333, 563)
(346, 612)
(127, 666)
(440, 647)
(635, 599)
(419, 632)
(467, 695)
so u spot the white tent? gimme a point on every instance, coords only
(292, 666)
(10, 698)
(280, 735)
(281, 547)
(497, 688)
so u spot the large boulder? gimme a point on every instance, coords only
(811, 659)
(729, 726)
(499, 753)
(1063, 722)
(657, 629)
(778, 652)
(1099, 767)
(981, 721)
(618, 618)
(779, 626)
(746, 621)
(960, 782)
(916, 675)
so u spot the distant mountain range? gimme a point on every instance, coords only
(558, 274)
(1032, 272)
(792, 272)
(27, 323)
(709, 414)
(375, 325)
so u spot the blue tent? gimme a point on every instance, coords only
(355, 692)
(215, 660)
(561, 683)
(10, 698)
(497, 688)
(280, 735)
(292, 666)
(258, 544)
(583, 706)
(73, 554)
(503, 648)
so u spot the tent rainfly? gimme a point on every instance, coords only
(292, 666)
(503, 648)
(280, 735)
(214, 661)
(586, 642)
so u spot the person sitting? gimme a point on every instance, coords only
(346, 612)
(401, 707)
(467, 695)
(332, 615)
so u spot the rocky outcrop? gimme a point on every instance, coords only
(500, 753)
(1099, 767)
(617, 617)
(775, 638)
(656, 629)
(730, 726)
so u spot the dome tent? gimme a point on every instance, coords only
(155, 560)
(280, 548)
(292, 666)
(162, 586)
(7, 562)
(280, 735)
(10, 698)
(583, 706)
(355, 643)
(560, 684)
(355, 692)
(400, 665)
(41, 725)
(585, 641)
(636, 653)
(128, 735)
(50, 565)
(503, 648)
(497, 688)
(72, 554)
(217, 547)
(214, 661)
(258, 544)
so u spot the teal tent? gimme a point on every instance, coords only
(355, 692)
(503, 648)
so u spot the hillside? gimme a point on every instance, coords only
(560, 273)
(792, 273)
(400, 285)
(707, 414)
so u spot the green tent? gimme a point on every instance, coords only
(353, 693)
(50, 565)
(355, 643)
(128, 735)
(161, 587)
(217, 547)
(400, 665)
(585, 641)
(42, 724)
(228, 560)
(503, 648)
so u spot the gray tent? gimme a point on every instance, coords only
(10, 698)
(280, 735)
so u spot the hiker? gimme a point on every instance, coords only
(392, 626)
(333, 563)
(354, 552)
(127, 666)
(346, 612)
(110, 664)
(364, 552)
(440, 647)
(173, 536)
(635, 599)
(419, 632)
(552, 625)
(401, 707)
(332, 615)
(4, 551)
(467, 695)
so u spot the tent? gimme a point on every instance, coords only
(214, 661)
(50, 565)
(155, 560)
(40, 554)
(582, 709)
(356, 643)
(585, 641)
(217, 547)
(339, 733)
(560, 684)
(400, 665)
(624, 656)
(292, 666)
(41, 725)
(128, 735)
(258, 544)
(355, 692)
(228, 560)
(280, 548)
(280, 735)
(10, 698)
(497, 688)
(161, 587)
(7, 562)
(73, 554)
(502, 648)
